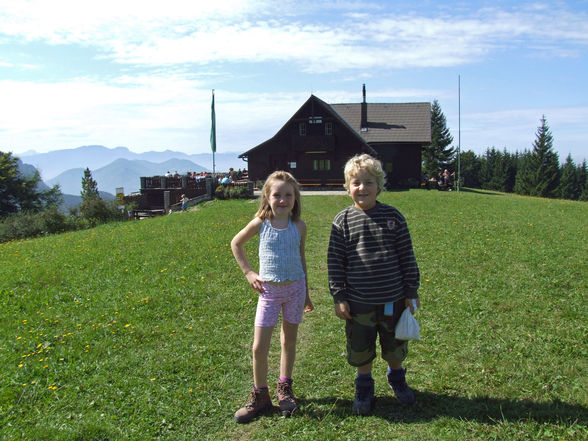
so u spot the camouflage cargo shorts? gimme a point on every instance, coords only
(369, 321)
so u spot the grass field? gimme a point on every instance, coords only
(142, 330)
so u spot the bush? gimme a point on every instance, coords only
(97, 211)
(219, 192)
(24, 225)
(227, 191)
(52, 221)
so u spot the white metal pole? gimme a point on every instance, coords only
(458, 132)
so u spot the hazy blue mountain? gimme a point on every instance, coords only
(68, 200)
(28, 171)
(122, 173)
(94, 157)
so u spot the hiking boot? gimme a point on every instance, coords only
(397, 381)
(363, 403)
(286, 396)
(259, 402)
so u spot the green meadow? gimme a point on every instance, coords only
(142, 330)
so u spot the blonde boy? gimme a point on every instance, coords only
(373, 277)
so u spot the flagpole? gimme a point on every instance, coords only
(458, 131)
(213, 134)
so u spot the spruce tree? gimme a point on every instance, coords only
(569, 187)
(470, 165)
(583, 181)
(539, 171)
(439, 155)
(92, 208)
(89, 187)
(522, 180)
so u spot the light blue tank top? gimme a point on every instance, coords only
(279, 253)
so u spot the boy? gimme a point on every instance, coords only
(373, 277)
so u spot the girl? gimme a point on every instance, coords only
(281, 284)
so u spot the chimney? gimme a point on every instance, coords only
(364, 120)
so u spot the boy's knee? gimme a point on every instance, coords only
(396, 353)
(357, 359)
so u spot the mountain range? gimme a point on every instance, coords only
(119, 167)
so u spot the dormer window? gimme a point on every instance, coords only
(315, 120)
(302, 129)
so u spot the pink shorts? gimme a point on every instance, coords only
(286, 298)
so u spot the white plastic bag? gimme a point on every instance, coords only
(407, 327)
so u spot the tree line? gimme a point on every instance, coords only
(27, 210)
(535, 172)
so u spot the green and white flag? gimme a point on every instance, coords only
(213, 127)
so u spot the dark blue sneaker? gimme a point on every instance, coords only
(397, 381)
(363, 403)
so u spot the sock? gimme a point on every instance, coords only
(364, 376)
(398, 371)
(285, 379)
(260, 388)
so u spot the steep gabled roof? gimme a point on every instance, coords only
(387, 122)
(390, 122)
(321, 104)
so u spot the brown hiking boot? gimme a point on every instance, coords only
(286, 396)
(259, 402)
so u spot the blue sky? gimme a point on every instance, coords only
(140, 73)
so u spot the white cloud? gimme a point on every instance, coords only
(170, 110)
(172, 32)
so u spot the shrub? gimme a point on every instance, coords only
(219, 192)
(227, 191)
(24, 225)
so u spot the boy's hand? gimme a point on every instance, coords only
(342, 310)
(308, 306)
(408, 304)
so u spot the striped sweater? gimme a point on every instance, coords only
(370, 257)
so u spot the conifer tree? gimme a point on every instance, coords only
(539, 171)
(92, 207)
(569, 187)
(470, 165)
(439, 155)
(583, 181)
(89, 187)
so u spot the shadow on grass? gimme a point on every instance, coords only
(479, 191)
(430, 406)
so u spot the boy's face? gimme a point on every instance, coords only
(363, 189)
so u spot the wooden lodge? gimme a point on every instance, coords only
(319, 138)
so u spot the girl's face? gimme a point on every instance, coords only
(281, 199)
(363, 189)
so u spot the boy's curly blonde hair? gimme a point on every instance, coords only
(264, 211)
(366, 162)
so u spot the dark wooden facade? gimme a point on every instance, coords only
(319, 138)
